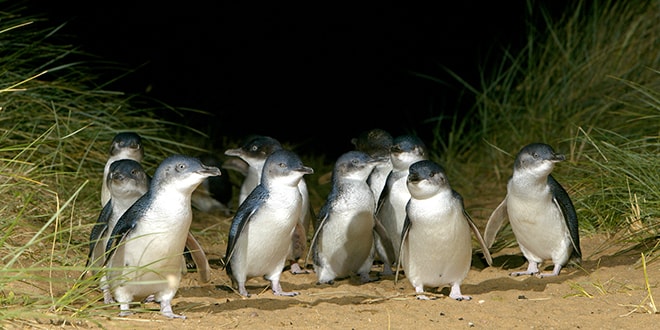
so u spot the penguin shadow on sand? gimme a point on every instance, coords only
(508, 259)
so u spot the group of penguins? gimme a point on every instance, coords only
(388, 202)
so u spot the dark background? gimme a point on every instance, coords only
(314, 74)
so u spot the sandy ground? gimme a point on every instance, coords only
(608, 292)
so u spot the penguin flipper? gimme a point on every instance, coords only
(123, 227)
(98, 231)
(199, 257)
(385, 192)
(404, 237)
(563, 201)
(243, 215)
(320, 221)
(482, 242)
(495, 222)
(385, 240)
(475, 230)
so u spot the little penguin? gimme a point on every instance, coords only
(260, 233)
(254, 151)
(343, 243)
(145, 248)
(540, 212)
(391, 208)
(125, 145)
(376, 143)
(126, 182)
(436, 245)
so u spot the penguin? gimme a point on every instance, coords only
(145, 248)
(436, 245)
(125, 145)
(391, 208)
(343, 243)
(126, 182)
(254, 151)
(376, 143)
(260, 233)
(540, 212)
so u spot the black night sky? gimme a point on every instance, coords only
(312, 73)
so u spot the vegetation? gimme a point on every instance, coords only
(588, 85)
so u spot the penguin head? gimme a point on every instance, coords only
(127, 178)
(426, 178)
(537, 158)
(405, 150)
(375, 142)
(182, 173)
(255, 149)
(284, 166)
(127, 145)
(356, 165)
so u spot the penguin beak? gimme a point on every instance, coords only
(413, 177)
(380, 160)
(233, 152)
(209, 171)
(558, 158)
(306, 170)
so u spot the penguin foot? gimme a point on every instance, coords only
(522, 273)
(366, 278)
(166, 310)
(296, 269)
(107, 297)
(387, 270)
(456, 294)
(330, 282)
(532, 269)
(125, 313)
(461, 298)
(286, 294)
(555, 272)
(277, 289)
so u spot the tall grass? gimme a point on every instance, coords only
(56, 124)
(588, 84)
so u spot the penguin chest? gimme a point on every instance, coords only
(346, 240)
(438, 247)
(159, 237)
(266, 239)
(539, 226)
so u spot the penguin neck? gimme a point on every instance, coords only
(526, 184)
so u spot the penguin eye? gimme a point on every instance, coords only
(282, 165)
(535, 155)
(432, 174)
(180, 167)
(254, 148)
